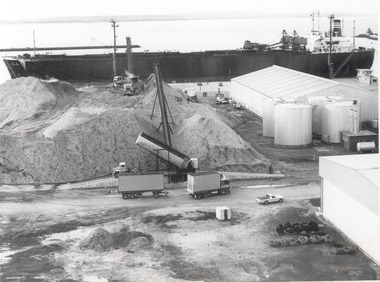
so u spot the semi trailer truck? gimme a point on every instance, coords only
(204, 184)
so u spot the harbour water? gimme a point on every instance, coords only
(169, 35)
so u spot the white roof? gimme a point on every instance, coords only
(367, 165)
(279, 82)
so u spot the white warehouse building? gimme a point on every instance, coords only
(350, 198)
(282, 85)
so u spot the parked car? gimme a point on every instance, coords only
(269, 198)
(220, 100)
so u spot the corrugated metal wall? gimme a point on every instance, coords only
(248, 97)
(352, 183)
(357, 222)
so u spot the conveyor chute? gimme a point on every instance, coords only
(163, 151)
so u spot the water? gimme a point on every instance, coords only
(181, 35)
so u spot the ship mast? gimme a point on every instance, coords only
(34, 44)
(114, 45)
(353, 37)
(330, 54)
(313, 16)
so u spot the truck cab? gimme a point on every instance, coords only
(204, 184)
(119, 169)
(224, 179)
(119, 80)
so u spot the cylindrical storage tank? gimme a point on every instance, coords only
(292, 125)
(336, 118)
(268, 116)
(365, 147)
(318, 103)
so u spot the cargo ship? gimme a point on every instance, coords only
(181, 67)
(218, 65)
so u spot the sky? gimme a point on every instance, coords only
(34, 9)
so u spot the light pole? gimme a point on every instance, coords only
(114, 46)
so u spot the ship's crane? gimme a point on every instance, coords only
(294, 43)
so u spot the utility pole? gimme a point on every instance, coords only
(114, 45)
(330, 54)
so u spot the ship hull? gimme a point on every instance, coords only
(180, 67)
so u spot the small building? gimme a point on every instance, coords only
(365, 76)
(350, 198)
(349, 140)
(223, 213)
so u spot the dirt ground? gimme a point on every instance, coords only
(95, 235)
(92, 236)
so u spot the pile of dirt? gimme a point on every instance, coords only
(52, 132)
(308, 233)
(102, 240)
(339, 249)
(27, 99)
(160, 219)
(298, 228)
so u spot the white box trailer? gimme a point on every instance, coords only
(203, 184)
(132, 185)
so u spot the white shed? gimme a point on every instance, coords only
(350, 198)
(282, 84)
(223, 213)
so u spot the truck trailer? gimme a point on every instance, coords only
(203, 184)
(132, 185)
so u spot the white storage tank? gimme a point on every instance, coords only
(337, 117)
(318, 103)
(366, 147)
(292, 124)
(268, 116)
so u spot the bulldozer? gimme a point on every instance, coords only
(129, 85)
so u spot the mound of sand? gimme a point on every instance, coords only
(24, 99)
(51, 132)
(102, 240)
(98, 240)
(73, 117)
